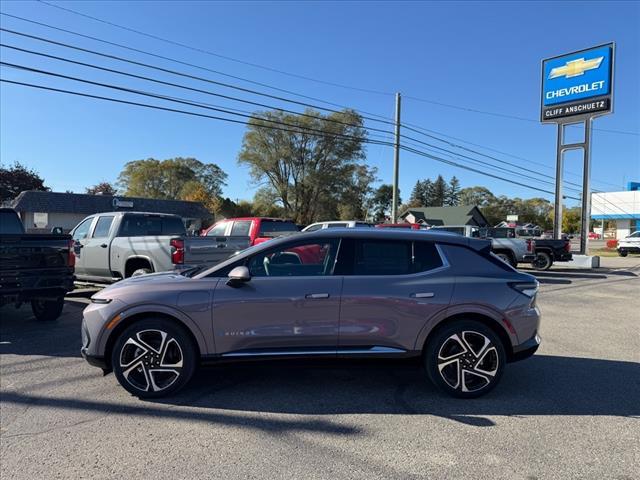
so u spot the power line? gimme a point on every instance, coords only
(422, 131)
(535, 172)
(200, 67)
(218, 55)
(438, 159)
(222, 110)
(295, 75)
(207, 92)
(250, 91)
(202, 115)
(179, 100)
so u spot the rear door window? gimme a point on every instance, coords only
(382, 257)
(425, 257)
(102, 227)
(241, 228)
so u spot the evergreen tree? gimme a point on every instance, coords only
(453, 193)
(439, 192)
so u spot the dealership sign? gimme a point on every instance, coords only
(578, 83)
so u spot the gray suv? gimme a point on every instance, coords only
(333, 293)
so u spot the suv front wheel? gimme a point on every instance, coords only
(465, 359)
(153, 358)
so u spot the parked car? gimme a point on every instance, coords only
(331, 293)
(504, 245)
(115, 245)
(629, 244)
(34, 268)
(258, 229)
(594, 236)
(336, 224)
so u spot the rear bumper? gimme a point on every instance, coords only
(526, 349)
(563, 257)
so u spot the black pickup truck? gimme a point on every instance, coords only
(34, 268)
(547, 250)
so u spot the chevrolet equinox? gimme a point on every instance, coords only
(331, 293)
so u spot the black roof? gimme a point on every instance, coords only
(58, 202)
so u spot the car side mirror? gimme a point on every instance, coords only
(238, 276)
(57, 231)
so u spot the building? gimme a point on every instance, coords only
(42, 211)
(432, 216)
(622, 208)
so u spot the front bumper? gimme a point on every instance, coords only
(526, 349)
(95, 361)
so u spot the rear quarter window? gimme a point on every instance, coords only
(467, 261)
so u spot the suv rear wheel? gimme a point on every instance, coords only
(465, 359)
(153, 358)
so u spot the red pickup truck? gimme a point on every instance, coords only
(258, 229)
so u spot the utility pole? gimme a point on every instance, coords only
(396, 163)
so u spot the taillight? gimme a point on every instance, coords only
(71, 257)
(531, 245)
(567, 246)
(177, 250)
(526, 288)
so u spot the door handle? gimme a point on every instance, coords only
(221, 245)
(104, 245)
(316, 295)
(423, 295)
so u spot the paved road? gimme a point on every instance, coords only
(572, 411)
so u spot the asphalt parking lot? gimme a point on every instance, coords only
(571, 411)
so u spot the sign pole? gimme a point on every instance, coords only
(396, 163)
(557, 218)
(586, 189)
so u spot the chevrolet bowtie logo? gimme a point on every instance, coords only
(575, 68)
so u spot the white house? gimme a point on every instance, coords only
(621, 207)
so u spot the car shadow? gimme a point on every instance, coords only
(541, 385)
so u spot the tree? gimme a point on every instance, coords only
(265, 203)
(571, 220)
(452, 197)
(476, 196)
(439, 194)
(308, 172)
(102, 188)
(381, 202)
(18, 178)
(170, 179)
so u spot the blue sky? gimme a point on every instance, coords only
(477, 55)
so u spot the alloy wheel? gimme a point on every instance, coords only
(151, 360)
(468, 361)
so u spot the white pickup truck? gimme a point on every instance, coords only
(511, 250)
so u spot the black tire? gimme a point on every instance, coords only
(463, 369)
(146, 364)
(623, 253)
(542, 262)
(47, 310)
(140, 271)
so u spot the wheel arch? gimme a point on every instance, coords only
(490, 319)
(139, 261)
(129, 317)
